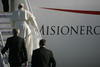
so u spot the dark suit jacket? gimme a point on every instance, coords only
(43, 57)
(17, 50)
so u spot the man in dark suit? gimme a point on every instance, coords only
(17, 50)
(43, 57)
(5, 5)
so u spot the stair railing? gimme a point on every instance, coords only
(3, 58)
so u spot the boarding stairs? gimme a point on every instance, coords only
(5, 25)
(5, 32)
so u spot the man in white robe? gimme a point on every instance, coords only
(20, 19)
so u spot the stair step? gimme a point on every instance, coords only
(5, 20)
(7, 33)
(5, 37)
(5, 25)
(5, 29)
(5, 15)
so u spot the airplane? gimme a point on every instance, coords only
(71, 28)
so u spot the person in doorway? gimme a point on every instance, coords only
(43, 57)
(17, 50)
(20, 19)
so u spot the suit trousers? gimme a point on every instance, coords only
(5, 5)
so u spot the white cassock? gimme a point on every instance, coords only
(21, 19)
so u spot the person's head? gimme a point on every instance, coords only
(20, 6)
(42, 43)
(15, 32)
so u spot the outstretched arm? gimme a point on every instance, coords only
(31, 19)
